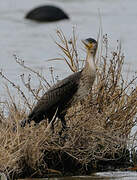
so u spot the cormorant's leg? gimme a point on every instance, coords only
(24, 122)
(63, 122)
(64, 125)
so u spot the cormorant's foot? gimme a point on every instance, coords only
(60, 133)
(62, 130)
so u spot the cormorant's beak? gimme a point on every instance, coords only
(87, 44)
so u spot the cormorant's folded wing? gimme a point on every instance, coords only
(59, 93)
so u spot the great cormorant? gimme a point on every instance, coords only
(66, 92)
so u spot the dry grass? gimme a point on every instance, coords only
(99, 126)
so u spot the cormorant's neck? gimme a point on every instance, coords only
(90, 62)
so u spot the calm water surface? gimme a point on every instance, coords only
(33, 42)
(99, 176)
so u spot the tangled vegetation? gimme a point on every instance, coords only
(99, 127)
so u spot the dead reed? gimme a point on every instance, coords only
(99, 126)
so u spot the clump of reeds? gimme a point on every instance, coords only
(99, 126)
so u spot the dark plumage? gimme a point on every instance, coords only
(46, 14)
(66, 92)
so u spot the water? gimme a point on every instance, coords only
(99, 176)
(33, 42)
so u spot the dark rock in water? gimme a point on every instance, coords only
(46, 14)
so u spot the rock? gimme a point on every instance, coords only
(46, 13)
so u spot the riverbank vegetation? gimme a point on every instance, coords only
(99, 134)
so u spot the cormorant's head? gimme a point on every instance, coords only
(91, 45)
